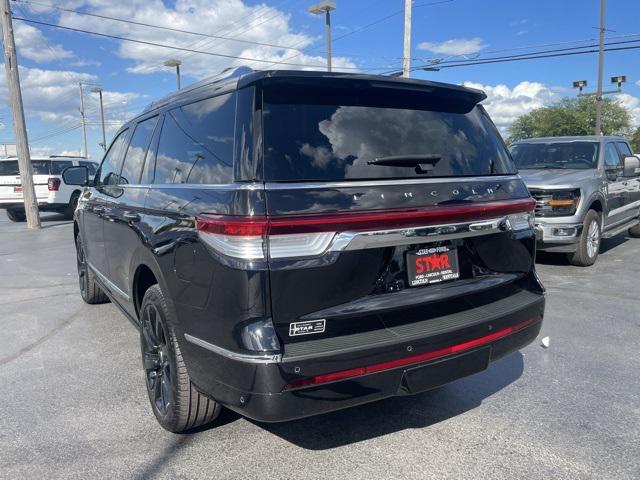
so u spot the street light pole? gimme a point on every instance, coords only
(83, 122)
(19, 125)
(325, 7)
(176, 64)
(98, 90)
(406, 57)
(598, 129)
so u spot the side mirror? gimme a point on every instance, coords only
(631, 166)
(76, 176)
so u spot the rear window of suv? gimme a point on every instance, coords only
(10, 167)
(319, 135)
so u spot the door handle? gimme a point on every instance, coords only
(131, 216)
(98, 209)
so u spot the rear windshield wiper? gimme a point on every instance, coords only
(423, 163)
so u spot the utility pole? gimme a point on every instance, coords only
(83, 122)
(598, 130)
(98, 90)
(406, 57)
(19, 125)
(325, 7)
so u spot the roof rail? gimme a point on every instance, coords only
(226, 74)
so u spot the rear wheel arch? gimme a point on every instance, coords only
(143, 278)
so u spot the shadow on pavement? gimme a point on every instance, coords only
(380, 418)
(607, 244)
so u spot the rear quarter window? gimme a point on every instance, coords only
(57, 166)
(197, 142)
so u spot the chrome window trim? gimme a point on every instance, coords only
(197, 186)
(269, 358)
(382, 183)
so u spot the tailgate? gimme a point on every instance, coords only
(401, 260)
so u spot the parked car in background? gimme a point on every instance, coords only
(586, 188)
(292, 243)
(52, 193)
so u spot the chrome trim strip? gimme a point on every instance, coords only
(197, 186)
(630, 206)
(108, 283)
(233, 355)
(346, 241)
(382, 183)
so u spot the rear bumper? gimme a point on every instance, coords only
(272, 390)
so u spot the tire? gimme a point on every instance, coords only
(589, 244)
(16, 215)
(71, 208)
(90, 291)
(635, 231)
(175, 402)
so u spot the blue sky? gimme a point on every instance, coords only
(132, 75)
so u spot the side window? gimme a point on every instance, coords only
(134, 159)
(57, 166)
(611, 158)
(107, 173)
(196, 143)
(92, 166)
(624, 150)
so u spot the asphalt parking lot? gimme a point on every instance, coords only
(73, 404)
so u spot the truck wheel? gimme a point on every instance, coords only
(589, 245)
(635, 231)
(175, 402)
(90, 291)
(16, 215)
(71, 208)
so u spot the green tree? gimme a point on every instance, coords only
(571, 116)
(635, 140)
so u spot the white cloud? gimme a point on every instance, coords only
(638, 82)
(32, 44)
(632, 104)
(505, 104)
(455, 46)
(53, 96)
(234, 18)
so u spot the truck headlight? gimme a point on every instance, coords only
(560, 203)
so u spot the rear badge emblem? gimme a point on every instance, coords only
(306, 328)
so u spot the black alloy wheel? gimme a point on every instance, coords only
(156, 360)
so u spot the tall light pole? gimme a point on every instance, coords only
(175, 64)
(598, 130)
(19, 125)
(406, 56)
(83, 122)
(325, 7)
(98, 90)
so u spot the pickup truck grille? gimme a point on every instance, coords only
(541, 198)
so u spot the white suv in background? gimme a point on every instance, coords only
(51, 191)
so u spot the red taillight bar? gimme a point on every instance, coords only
(403, 362)
(362, 220)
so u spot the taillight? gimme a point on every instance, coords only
(53, 184)
(290, 236)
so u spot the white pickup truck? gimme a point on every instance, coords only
(52, 193)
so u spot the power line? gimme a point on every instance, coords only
(160, 27)
(515, 58)
(365, 27)
(174, 47)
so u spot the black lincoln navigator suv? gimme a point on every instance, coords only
(292, 243)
